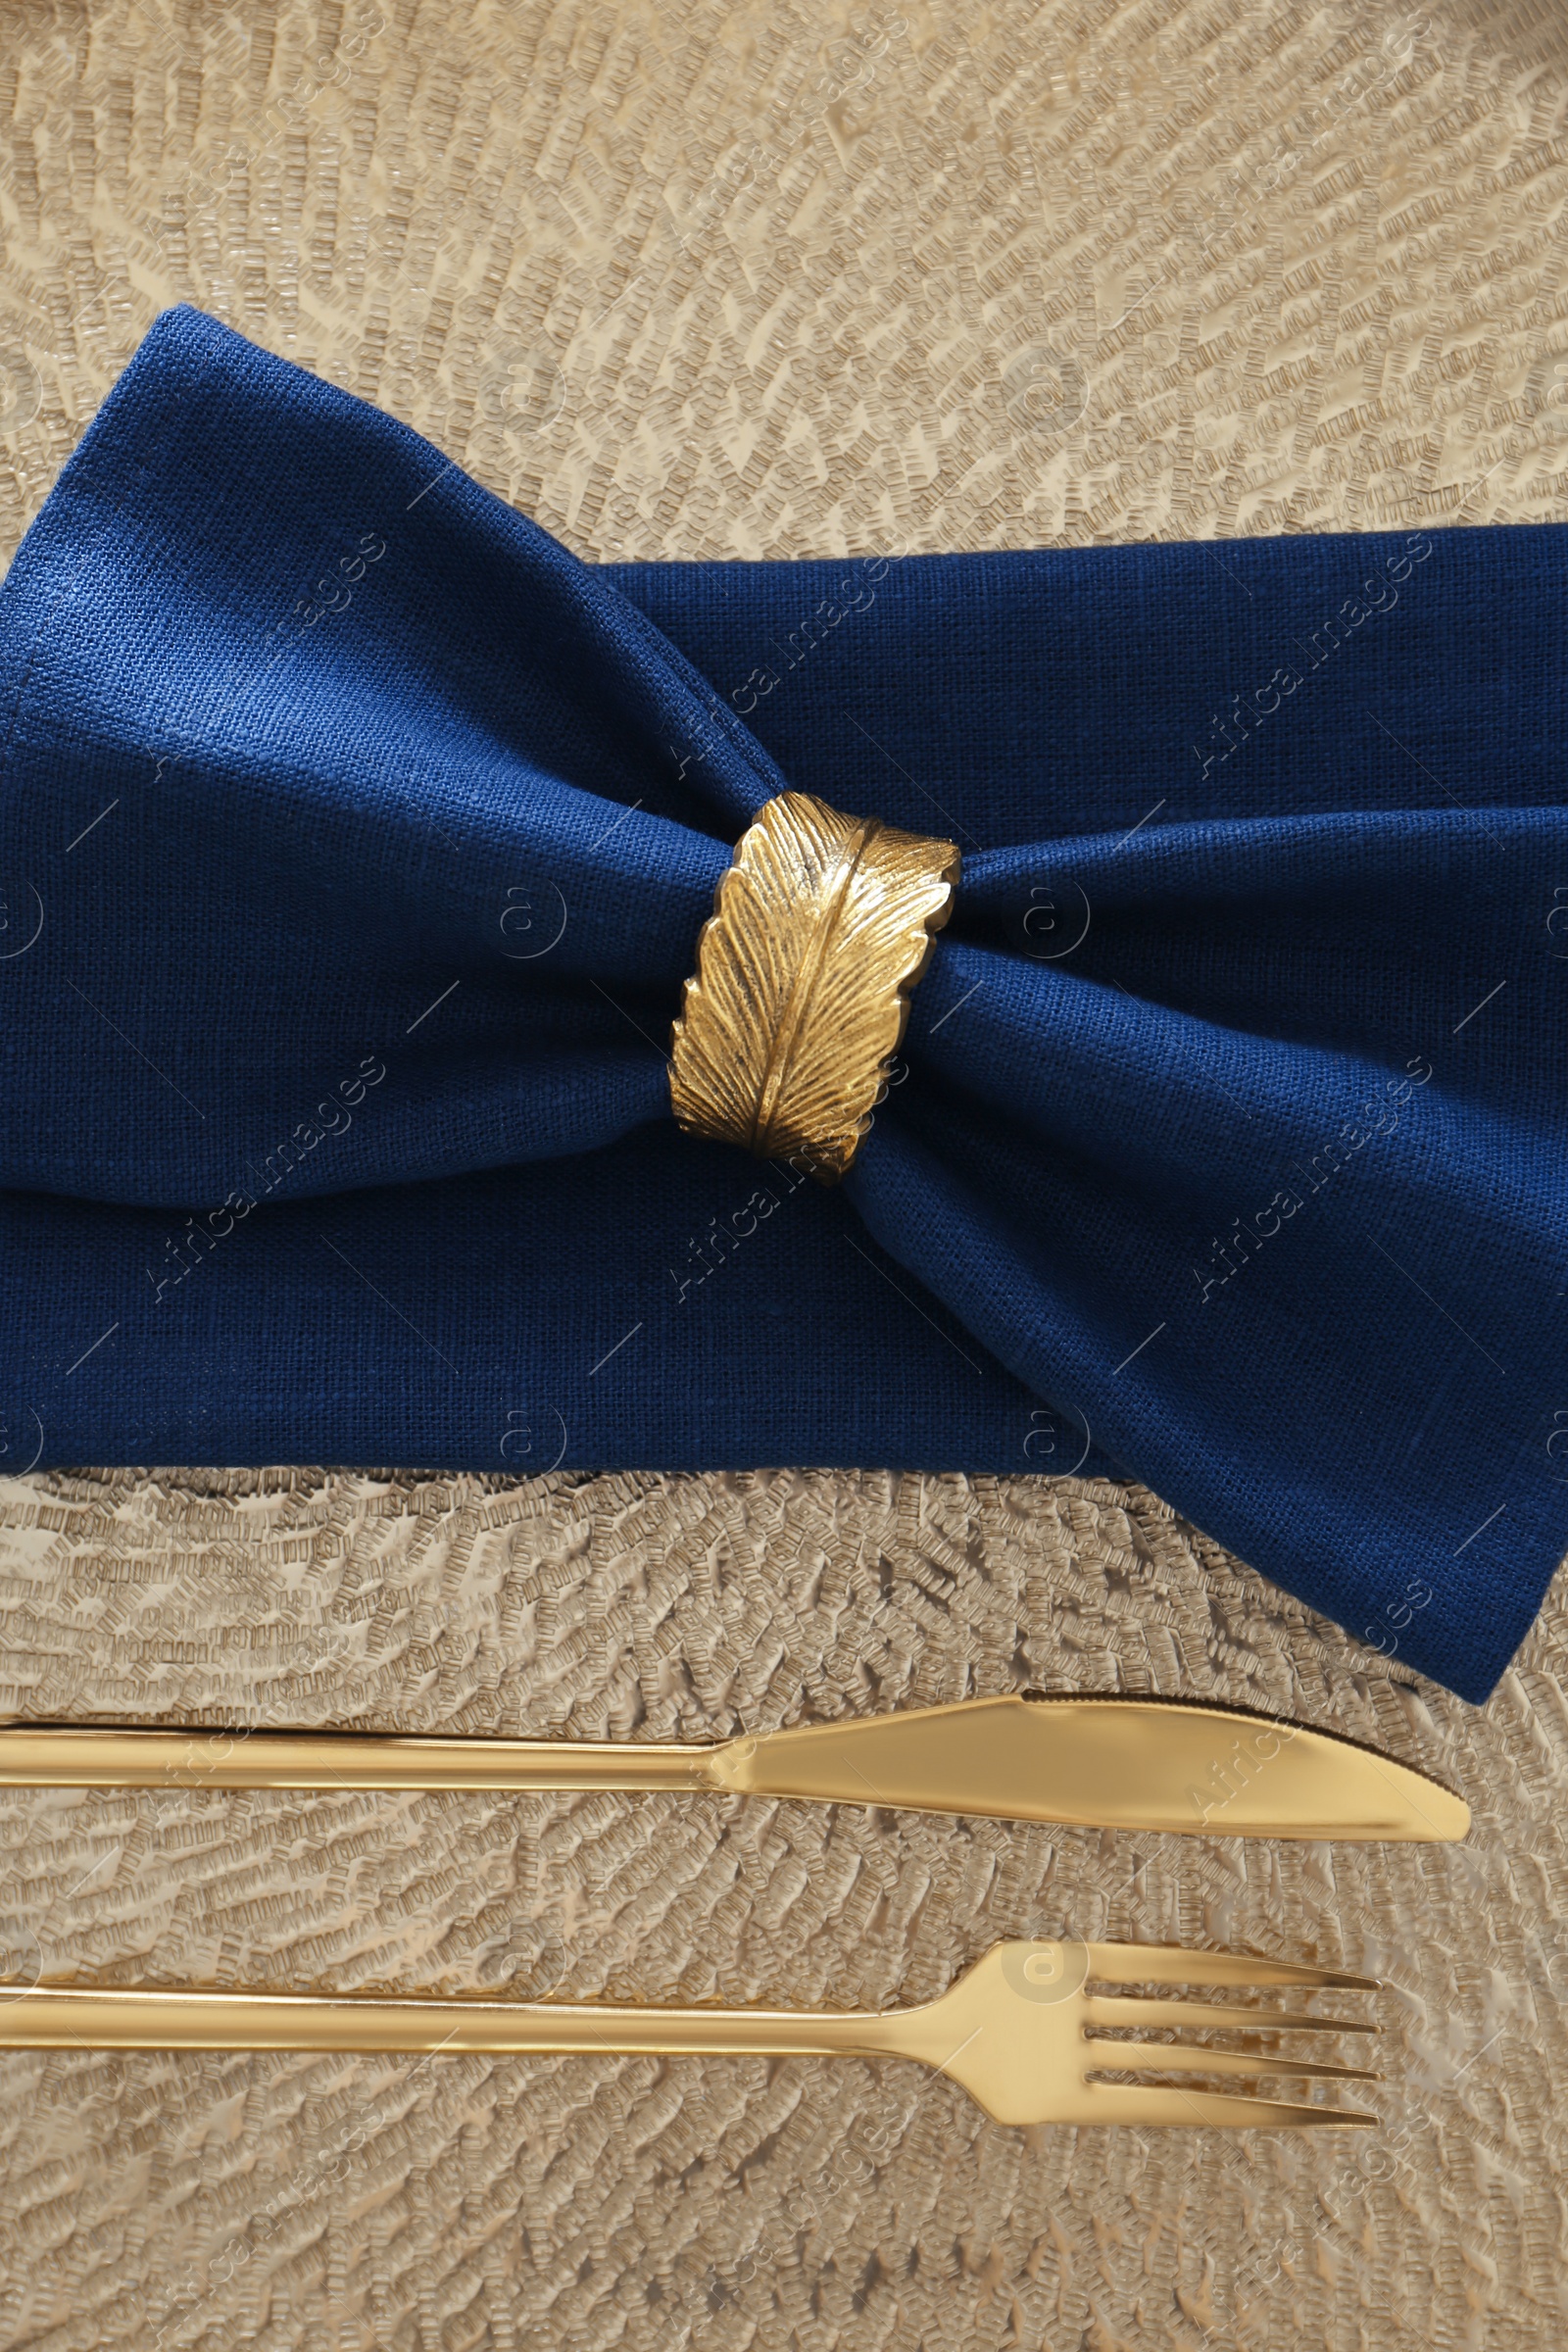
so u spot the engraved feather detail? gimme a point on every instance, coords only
(821, 925)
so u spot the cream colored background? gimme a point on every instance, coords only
(781, 280)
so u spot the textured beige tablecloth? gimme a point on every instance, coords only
(781, 280)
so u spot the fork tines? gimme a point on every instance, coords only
(1129, 2015)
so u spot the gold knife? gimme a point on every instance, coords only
(1096, 1762)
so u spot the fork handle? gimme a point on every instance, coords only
(67, 2017)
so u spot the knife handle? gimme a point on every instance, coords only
(80, 1757)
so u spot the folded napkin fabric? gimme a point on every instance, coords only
(354, 838)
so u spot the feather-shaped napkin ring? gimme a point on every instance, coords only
(821, 925)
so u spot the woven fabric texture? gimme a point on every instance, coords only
(696, 284)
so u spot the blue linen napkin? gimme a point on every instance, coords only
(354, 842)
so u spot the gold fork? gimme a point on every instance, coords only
(1021, 2030)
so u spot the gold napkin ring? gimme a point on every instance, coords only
(821, 926)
